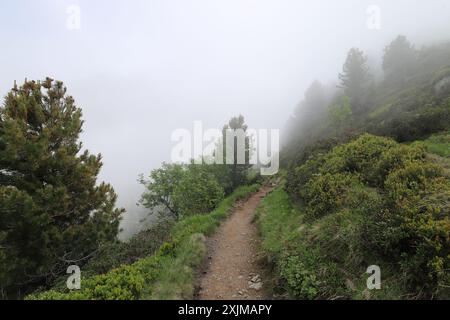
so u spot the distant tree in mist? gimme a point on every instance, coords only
(52, 212)
(238, 170)
(313, 102)
(399, 60)
(340, 113)
(355, 79)
(308, 112)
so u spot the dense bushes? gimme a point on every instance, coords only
(418, 199)
(167, 274)
(370, 200)
(374, 201)
(303, 267)
(115, 254)
(124, 283)
(325, 193)
(408, 125)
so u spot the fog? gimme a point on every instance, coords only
(142, 68)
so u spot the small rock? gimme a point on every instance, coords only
(256, 286)
(256, 279)
(350, 284)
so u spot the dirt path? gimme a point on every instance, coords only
(233, 269)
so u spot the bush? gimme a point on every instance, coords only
(197, 191)
(299, 176)
(323, 194)
(124, 283)
(167, 274)
(374, 199)
(302, 281)
(412, 125)
(420, 196)
(302, 265)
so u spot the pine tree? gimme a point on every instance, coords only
(355, 78)
(399, 60)
(238, 171)
(52, 211)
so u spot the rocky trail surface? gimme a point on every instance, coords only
(234, 269)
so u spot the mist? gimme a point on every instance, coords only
(141, 69)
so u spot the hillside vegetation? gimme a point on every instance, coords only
(54, 214)
(369, 202)
(367, 182)
(170, 273)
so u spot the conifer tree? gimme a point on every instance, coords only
(238, 170)
(355, 78)
(52, 211)
(399, 60)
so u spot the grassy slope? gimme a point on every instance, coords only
(322, 246)
(438, 144)
(289, 240)
(168, 274)
(438, 148)
(406, 113)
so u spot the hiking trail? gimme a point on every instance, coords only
(234, 268)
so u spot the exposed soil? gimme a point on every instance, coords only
(234, 269)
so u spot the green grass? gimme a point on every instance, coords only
(298, 264)
(177, 277)
(438, 144)
(168, 274)
(279, 222)
(315, 260)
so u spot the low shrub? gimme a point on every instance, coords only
(325, 193)
(370, 201)
(167, 274)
